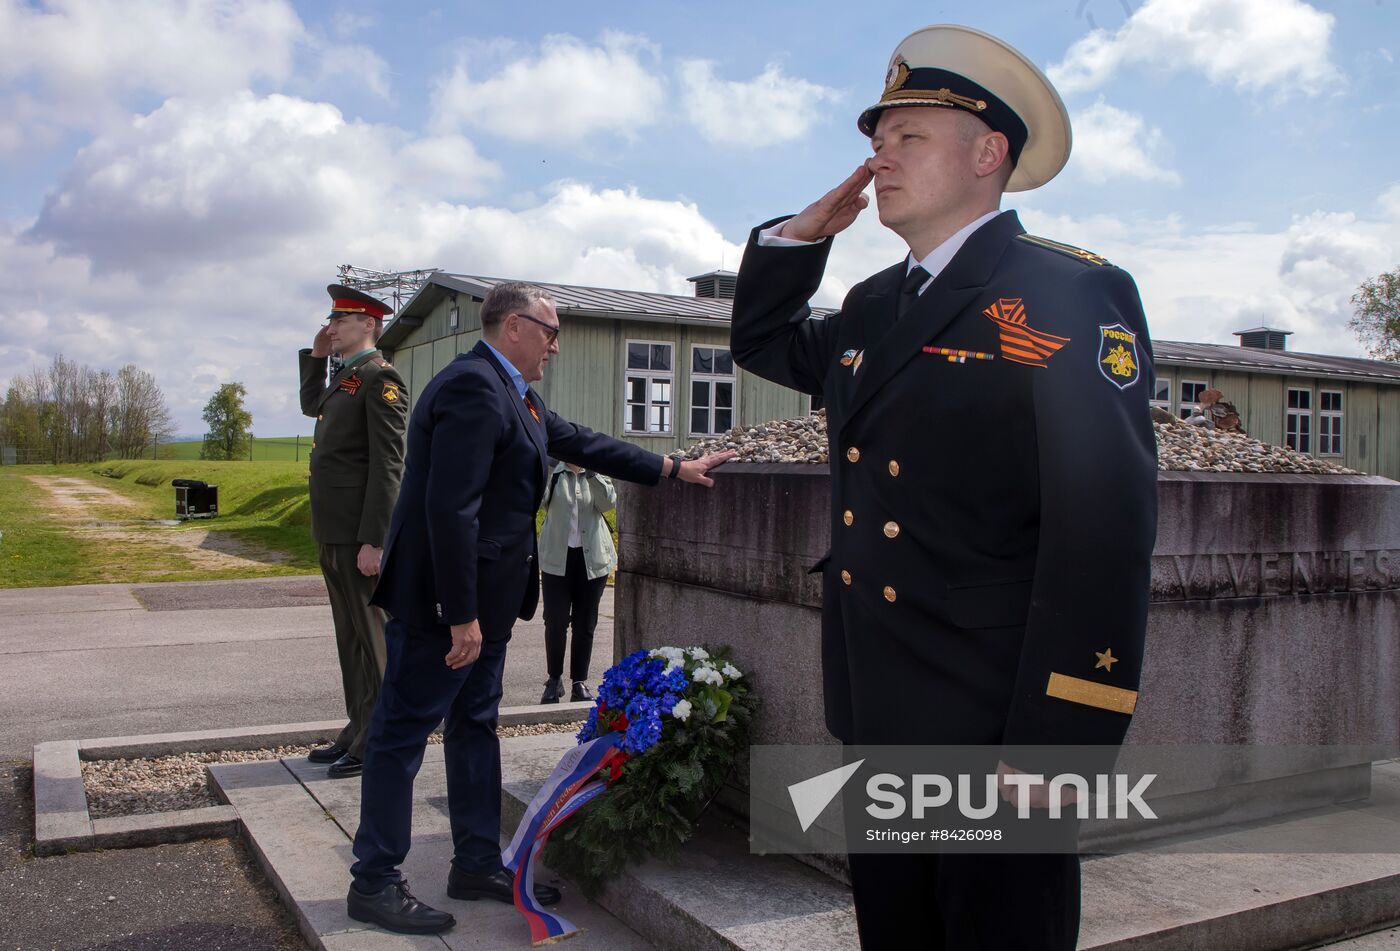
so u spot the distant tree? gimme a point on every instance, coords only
(1377, 315)
(229, 422)
(140, 417)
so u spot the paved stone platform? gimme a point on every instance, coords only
(1220, 892)
(301, 825)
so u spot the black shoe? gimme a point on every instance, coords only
(580, 692)
(346, 766)
(326, 754)
(497, 885)
(553, 690)
(395, 909)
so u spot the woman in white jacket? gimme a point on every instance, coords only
(576, 557)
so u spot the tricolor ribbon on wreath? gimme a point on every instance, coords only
(574, 782)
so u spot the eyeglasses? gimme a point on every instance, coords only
(553, 329)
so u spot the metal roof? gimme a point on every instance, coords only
(1283, 362)
(679, 308)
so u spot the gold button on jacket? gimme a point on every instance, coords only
(894, 467)
(891, 529)
(853, 454)
(846, 576)
(848, 517)
(889, 594)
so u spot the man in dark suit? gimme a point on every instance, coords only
(356, 465)
(459, 568)
(993, 469)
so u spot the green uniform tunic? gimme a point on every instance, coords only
(356, 466)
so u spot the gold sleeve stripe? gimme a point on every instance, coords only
(1090, 693)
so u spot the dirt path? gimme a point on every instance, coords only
(75, 503)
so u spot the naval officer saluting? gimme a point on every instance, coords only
(356, 464)
(459, 568)
(993, 467)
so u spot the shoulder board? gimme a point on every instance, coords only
(380, 362)
(1088, 257)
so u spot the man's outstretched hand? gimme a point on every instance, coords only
(833, 212)
(694, 470)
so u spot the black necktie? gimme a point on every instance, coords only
(909, 293)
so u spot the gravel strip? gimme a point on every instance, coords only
(128, 787)
(1179, 447)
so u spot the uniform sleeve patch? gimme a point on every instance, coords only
(1118, 355)
(391, 393)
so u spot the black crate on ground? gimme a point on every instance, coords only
(195, 499)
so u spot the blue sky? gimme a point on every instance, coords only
(178, 182)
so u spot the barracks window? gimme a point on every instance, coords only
(1297, 432)
(711, 391)
(1162, 393)
(1329, 423)
(647, 388)
(1191, 391)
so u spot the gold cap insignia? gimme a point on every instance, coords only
(897, 76)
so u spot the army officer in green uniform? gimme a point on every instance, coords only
(356, 465)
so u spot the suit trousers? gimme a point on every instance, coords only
(966, 901)
(420, 691)
(571, 597)
(359, 640)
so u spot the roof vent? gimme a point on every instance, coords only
(718, 284)
(1263, 338)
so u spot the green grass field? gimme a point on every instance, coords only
(269, 449)
(262, 504)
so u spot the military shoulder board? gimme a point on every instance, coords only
(380, 361)
(1088, 257)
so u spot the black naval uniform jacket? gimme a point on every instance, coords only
(357, 451)
(462, 543)
(992, 520)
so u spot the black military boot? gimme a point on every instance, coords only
(580, 692)
(553, 691)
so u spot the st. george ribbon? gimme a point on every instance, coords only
(573, 783)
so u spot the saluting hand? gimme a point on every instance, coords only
(833, 212)
(466, 644)
(693, 470)
(321, 346)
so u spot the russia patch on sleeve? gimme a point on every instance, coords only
(1118, 355)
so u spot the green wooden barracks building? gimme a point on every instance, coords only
(655, 369)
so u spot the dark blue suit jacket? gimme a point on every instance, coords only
(462, 539)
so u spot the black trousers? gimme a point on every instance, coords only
(966, 901)
(420, 691)
(571, 597)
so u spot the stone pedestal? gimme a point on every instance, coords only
(1275, 614)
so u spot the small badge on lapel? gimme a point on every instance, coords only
(1118, 355)
(852, 359)
(1021, 343)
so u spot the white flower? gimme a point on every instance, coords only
(705, 674)
(732, 672)
(699, 653)
(681, 711)
(673, 654)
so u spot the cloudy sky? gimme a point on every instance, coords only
(179, 180)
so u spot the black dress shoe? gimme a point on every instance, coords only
(580, 692)
(326, 754)
(553, 690)
(395, 909)
(346, 766)
(497, 885)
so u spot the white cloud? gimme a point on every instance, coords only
(355, 62)
(1202, 284)
(197, 241)
(563, 92)
(84, 57)
(1111, 143)
(769, 109)
(1255, 45)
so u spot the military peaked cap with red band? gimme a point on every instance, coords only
(347, 300)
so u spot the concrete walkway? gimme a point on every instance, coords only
(285, 805)
(118, 660)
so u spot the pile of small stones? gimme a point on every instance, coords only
(127, 787)
(1179, 446)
